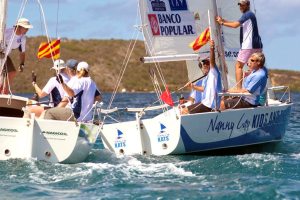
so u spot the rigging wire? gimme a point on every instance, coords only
(46, 28)
(125, 61)
(57, 17)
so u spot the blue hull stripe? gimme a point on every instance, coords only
(268, 133)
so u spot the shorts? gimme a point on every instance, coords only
(58, 113)
(198, 108)
(9, 65)
(245, 54)
(236, 103)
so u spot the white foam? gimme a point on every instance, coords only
(256, 160)
(295, 155)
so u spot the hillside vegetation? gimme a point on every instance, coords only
(106, 57)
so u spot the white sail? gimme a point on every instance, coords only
(164, 19)
(3, 6)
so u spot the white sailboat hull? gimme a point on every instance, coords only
(170, 133)
(49, 140)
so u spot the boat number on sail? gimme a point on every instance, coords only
(231, 54)
(120, 142)
(163, 136)
(167, 21)
(244, 123)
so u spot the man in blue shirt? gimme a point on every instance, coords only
(198, 88)
(249, 37)
(255, 84)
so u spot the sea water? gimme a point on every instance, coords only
(273, 174)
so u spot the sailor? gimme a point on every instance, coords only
(255, 84)
(212, 86)
(53, 88)
(15, 38)
(198, 87)
(249, 37)
(71, 66)
(81, 93)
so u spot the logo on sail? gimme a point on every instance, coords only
(178, 5)
(120, 142)
(154, 24)
(158, 5)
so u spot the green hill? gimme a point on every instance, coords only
(106, 57)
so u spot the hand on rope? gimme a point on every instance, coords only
(21, 67)
(33, 77)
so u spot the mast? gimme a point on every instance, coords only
(217, 32)
(3, 11)
(3, 8)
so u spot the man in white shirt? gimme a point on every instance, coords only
(213, 85)
(81, 95)
(15, 38)
(52, 88)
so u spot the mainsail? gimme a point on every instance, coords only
(3, 6)
(169, 26)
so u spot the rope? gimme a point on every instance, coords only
(124, 66)
(57, 18)
(45, 26)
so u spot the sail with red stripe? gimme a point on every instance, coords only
(49, 50)
(201, 40)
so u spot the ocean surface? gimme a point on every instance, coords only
(266, 175)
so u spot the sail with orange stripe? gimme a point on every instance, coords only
(49, 50)
(201, 40)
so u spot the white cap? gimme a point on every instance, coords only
(24, 23)
(243, 2)
(59, 64)
(83, 65)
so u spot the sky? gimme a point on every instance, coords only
(278, 20)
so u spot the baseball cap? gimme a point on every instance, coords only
(71, 63)
(83, 65)
(58, 64)
(24, 23)
(205, 61)
(243, 2)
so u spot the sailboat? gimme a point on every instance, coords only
(168, 27)
(40, 139)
